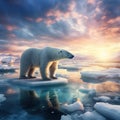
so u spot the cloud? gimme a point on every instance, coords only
(59, 21)
(111, 8)
(22, 8)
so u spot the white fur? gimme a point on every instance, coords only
(46, 59)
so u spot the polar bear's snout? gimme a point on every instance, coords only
(70, 55)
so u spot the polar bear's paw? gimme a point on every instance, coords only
(46, 79)
(30, 77)
(53, 77)
(23, 77)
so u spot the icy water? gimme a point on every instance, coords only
(45, 103)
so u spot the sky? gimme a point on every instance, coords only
(85, 27)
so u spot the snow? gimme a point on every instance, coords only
(86, 116)
(91, 116)
(7, 59)
(66, 117)
(101, 75)
(73, 107)
(6, 68)
(108, 110)
(102, 99)
(2, 98)
(32, 83)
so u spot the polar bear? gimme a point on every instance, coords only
(46, 59)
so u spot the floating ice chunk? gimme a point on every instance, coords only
(110, 111)
(101, 76)
(86, 116)
(37, 82)
(6, 68)
(91, 116)
(73, 107)
(87, 90)
(66, 117)
(2, 98)
(92, 93)
(102, 99)
(7, 59)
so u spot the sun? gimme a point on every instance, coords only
(103, 55)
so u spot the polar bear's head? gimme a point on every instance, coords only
(64, 54)
(57, 54)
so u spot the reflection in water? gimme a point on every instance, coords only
(107, 86)
(47, 104)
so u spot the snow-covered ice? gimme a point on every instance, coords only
(100, 75)
(73, 107)
(6, 68)
(91, 116)
(86, 116)
(66, 117)
(2, 98)
(32, 83)
(102, 99)
(7, 59)
(110, 111)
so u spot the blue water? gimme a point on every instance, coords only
(37, 103)
(42, 103)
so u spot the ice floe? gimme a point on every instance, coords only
(73, 107)
(7, 59)
(102, 99)
(110, 111)
(6, 68)
(91, 116)
(86, 116)
(66, 117)
(100, 76)
(2, 98)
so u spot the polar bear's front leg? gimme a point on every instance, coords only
(43, 70)
(30, 72)
(52, 70)
(24, 66)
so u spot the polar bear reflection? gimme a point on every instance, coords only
(47, 104)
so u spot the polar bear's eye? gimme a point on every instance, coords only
(60, 52)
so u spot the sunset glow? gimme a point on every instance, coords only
(84, 27)
(103, 56)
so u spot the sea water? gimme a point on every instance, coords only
(44, 103)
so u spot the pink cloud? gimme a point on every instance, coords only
(114, 20)
(39, 19)
(91, 1)
(10, 27)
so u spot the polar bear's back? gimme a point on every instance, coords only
(31, 56)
